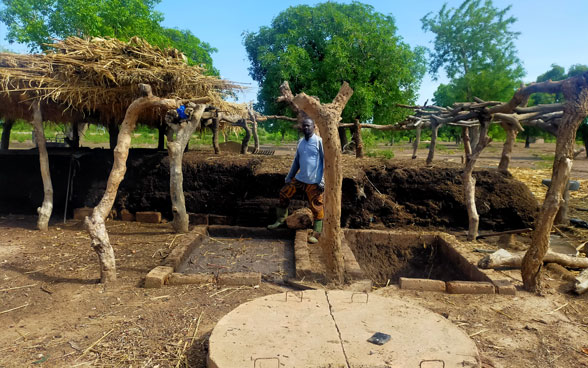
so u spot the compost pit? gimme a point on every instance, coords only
(376, 193)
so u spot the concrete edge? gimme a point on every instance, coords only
(184, 247)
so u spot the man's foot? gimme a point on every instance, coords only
(281, 214)
(312, 239)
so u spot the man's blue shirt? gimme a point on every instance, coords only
(309, 161)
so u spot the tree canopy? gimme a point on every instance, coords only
(317, 48)
(37, 23)
(475, 46)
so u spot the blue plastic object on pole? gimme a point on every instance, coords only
(182, 112)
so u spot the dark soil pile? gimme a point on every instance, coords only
(376, 192)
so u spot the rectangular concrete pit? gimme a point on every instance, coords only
(375, 250)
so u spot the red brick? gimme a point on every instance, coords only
(193, 278)
(81, 213)
(504, 287)
(422, 284)
(126, 215)
(239, 278)
(157, 277)
(469, 287)
(150, 217)
(218, 220)
(198, 219)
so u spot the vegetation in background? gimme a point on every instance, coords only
(474, 44)
(317, 48)
(39, 22)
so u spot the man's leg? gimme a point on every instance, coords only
(286, 193)
(315, 198)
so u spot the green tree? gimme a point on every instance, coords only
(37, 23)
(317, 48)
(475, 47)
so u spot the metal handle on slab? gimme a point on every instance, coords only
(367, 296)
(293, 292)
(272, 358)
(432, 360)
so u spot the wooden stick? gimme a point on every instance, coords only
(94, 344)
(12, 309)
(18, 287)
(558, 308)
(479, 332)
(519, 231)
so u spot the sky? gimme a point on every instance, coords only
(551, 31)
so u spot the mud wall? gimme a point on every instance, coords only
(244, 188)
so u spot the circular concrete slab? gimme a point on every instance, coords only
(331, 329)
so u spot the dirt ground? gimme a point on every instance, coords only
(55, 314)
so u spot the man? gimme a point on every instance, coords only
(305, 174)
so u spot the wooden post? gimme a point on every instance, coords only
(5, 143)
(47, 207)
(434, 132)
(175, 148)
(214, 127)
(113, 134)
(417, 141)
(469, 182)
(95, 223)
(357, 139)
(575, 91)
(511, 135)
(327, 117)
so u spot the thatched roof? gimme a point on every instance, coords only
(100, 77)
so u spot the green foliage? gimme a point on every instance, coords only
(37, 22)
(475, 47)
(317, 48)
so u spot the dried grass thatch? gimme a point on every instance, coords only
(101, 77)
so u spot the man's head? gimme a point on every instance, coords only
(308, 127)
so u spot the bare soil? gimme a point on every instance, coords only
(55, 314)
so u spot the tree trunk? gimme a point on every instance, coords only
(343, 138)
(327, 117)
(575, 91)
(5, 143)
(511, 135)
(247, 138)
(503, 258)
(95, 224)
(47, 207)
(561, 218)
(175, 149)
(469, 182)
(113, 134)
(417, 141)
(474, 137)
(357, 139)
(254, 130)
(161, 136)
(214, 127)
(434, 131)
(528, 140)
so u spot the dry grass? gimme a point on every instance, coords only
(102, 76)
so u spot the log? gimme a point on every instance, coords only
(503, 258)
(581, 284)
(47, 207)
